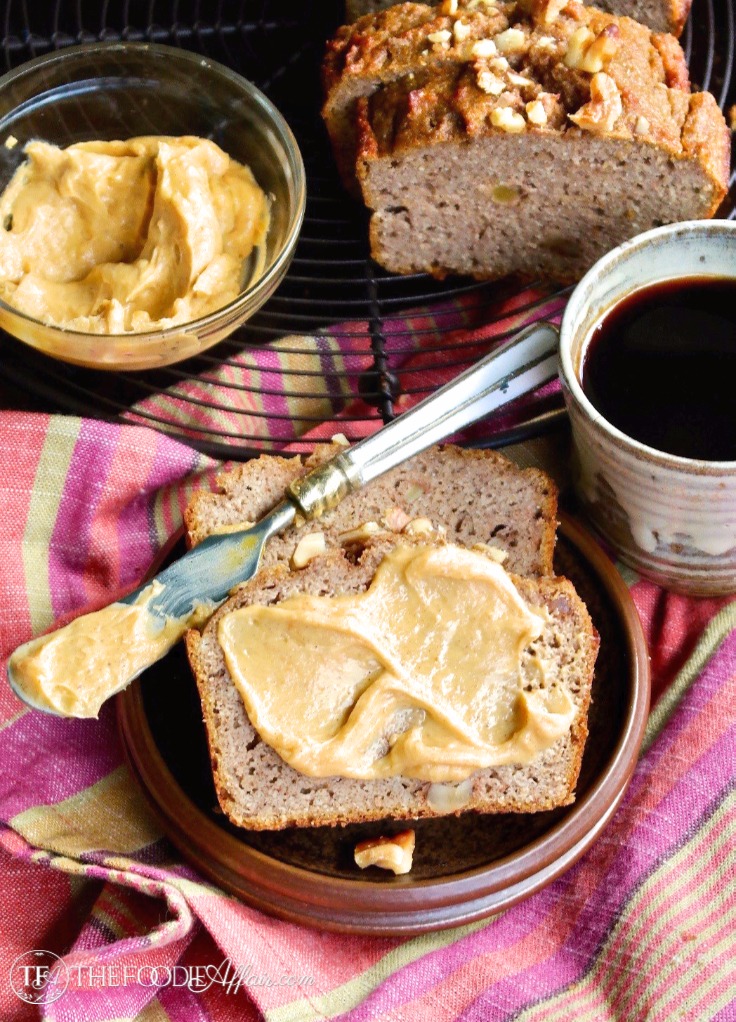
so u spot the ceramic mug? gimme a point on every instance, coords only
(670, 518)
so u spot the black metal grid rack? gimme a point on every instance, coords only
(278, 44)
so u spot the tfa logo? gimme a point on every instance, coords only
(39, 977)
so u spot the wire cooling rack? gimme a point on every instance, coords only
(332, 280)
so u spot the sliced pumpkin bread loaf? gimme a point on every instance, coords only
(498, 139)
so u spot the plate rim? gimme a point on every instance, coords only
(417, 906)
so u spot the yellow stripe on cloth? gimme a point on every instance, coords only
(48, 485)
(308, 379)
(110, 815)
(717, 630)
(352, 993)
(321, 402)
(153, 1012)
(645, 942)
(16, 716)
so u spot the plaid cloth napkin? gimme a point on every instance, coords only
(642, 928)
(300, 389)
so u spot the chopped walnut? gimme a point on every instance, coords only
(499, 64)
(449, 7)
(543, 12)
(341, 439)
(512, 40)
(550, 11)
(590, 53)
(394, 853)
(419, 527)
(519, 80)
(483, 48)
(308, 547)
(507, 120)
(359, 535)
(489, 83)
(461, 31)
(536, 114)
(553, 108)
(395, 519)
(440, 40)
(577, 47)
(604, 108)
(601, 50)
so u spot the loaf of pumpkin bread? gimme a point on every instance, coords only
(659, 15)
(502, 141)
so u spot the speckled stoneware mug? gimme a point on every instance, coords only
(670, 518)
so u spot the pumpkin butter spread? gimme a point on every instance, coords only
(127, 236)
(73, 671)
(423, 675)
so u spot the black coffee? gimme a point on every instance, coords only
(661, 366)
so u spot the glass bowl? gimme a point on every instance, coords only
(113, 91)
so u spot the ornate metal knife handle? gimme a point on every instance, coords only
(324, 487)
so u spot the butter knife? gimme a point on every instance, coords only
(75, 669)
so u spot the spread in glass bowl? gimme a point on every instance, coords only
(127, 236)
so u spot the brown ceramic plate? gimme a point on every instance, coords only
(465, 867)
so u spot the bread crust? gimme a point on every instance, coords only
(706, 138)
(447, 106)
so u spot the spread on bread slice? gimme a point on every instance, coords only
(473, 499)
(422, 674)
(258, 789)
